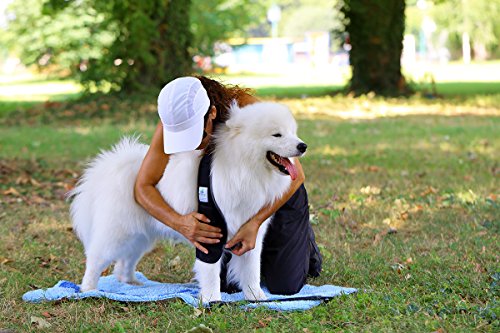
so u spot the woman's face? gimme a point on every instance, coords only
(209, 126)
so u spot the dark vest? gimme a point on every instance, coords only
(208, 207)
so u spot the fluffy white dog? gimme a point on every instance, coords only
(251, 168)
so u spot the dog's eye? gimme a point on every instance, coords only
(277, 135)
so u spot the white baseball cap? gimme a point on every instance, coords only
(182, 104)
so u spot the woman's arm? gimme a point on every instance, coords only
(247, 234)
(193, 226)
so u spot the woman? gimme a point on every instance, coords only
(190, 109)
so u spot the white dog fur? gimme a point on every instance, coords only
(115, 229)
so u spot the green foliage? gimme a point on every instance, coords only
(300, 17)
(376, 31)
(151, 46)
(59, 43)
(479, 18)
(117, 45)
(216, 20)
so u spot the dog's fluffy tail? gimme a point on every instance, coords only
(108, 181)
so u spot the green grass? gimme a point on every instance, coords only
(405, 208)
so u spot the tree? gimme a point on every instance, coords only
(123, 44)
(376, 29)
(117, 44)
(217, 20)
(151, 45)
(474, 19)
(60, 44)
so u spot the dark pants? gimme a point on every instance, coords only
(290, 252)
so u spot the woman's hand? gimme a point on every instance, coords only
(245, 238)
(195, 228)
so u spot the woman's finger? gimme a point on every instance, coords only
(208, 234)
(208, 228)
(208, 240)
(200, 247)
(240, 250)
(232, 242)
(201, 218)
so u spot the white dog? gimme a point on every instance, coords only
(250, 169)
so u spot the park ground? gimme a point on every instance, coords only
(403, 193)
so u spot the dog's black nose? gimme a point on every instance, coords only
(302, 147)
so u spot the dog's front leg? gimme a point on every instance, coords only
(208, 276)
(247, 270)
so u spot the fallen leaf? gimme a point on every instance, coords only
(46, 314)
(38, 200)
(12, 191)
(378, 237)
(439, 330)
(4, 261)
(200, 329)
(197, 312)
(373, 168)
(370, 190)
(40, 322)
(264, 322)
(416, 209)
(22, 180)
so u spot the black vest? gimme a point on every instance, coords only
(208, 207)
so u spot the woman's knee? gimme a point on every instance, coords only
(285, 285)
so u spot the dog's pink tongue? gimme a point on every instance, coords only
(289, 167)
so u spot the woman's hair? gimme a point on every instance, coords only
(221, 96)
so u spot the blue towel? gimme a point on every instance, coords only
(308, 297)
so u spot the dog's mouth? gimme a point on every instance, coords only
(283, 164)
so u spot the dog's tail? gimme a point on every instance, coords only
(106, 182)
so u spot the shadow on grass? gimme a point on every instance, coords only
(299, 91)
(8, 106)
(446, 90)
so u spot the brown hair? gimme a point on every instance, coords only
(221, 96)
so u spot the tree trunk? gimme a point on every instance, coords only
(376, 31)
(166, 55)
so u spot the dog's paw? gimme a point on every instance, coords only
(210, 297)
(134, 282)
(254, 294)
(84, 288)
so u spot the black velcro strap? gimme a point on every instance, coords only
(208, 207)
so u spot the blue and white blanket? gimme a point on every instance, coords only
(108, 287)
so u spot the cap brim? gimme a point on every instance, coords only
(187, 140)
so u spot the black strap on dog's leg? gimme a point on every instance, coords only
(208, 207)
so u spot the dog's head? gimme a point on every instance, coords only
(266, 131)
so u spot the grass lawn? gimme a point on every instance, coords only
(404, 197)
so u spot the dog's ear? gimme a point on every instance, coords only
(233, 122)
